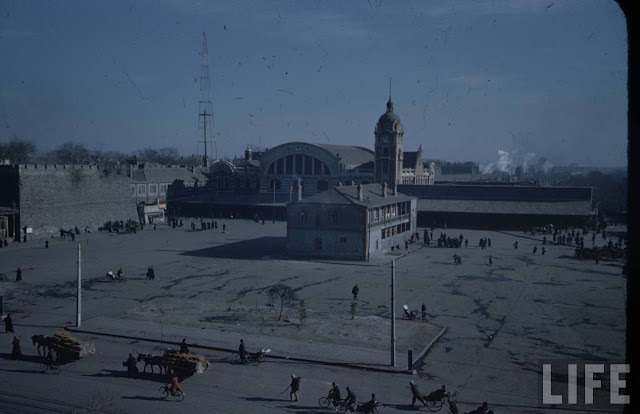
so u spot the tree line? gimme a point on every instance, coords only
(20, 151)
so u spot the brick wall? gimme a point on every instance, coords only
(55, 197)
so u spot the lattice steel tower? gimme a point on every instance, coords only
(205, 106)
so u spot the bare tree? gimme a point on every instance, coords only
(284, 292)
(17, 150)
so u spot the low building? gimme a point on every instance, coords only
(350, 222)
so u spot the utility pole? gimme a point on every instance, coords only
(393, 313)
(274, 201)
(205, 106)
(79, 296)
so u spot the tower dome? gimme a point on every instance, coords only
(387, 119)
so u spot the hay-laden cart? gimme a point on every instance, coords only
(69, 348)
(184, 365)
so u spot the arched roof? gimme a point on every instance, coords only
(221, 167)
(349, 155)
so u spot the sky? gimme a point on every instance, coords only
(468, 78)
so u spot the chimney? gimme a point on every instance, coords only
(360, 193)
(384, 190)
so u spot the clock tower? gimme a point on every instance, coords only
(388, 134)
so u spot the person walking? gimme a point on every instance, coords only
(424, 312)
(16, 352)
(355, 291)
(8, 323)
(295, 387)
(416, 394)
(18, 274)
(242, 350)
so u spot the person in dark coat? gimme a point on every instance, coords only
(16, 352)
(184, 347)
(351, 399)
(416, 394)
(355, 291)
(18, 274)
(151, 275)
(132, 368)
(8, 323)
(242, 350)
(424, 312)
(295, 387)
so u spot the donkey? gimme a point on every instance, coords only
(41, 341)
(151, 360)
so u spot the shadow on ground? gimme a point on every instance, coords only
(261, 248)
(147, 376)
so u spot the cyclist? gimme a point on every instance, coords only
(175, 386)
(334, 393)
(351, 399)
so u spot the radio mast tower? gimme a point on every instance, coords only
(205, 106)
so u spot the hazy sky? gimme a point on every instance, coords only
(469, 77)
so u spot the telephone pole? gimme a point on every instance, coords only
(205, 106)
(79, 294)
(393, 313)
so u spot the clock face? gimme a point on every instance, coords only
(385, 139)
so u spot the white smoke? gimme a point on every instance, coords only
(510, 161)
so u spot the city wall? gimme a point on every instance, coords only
(64, 196)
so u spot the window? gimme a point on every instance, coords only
(142, 189)
(153, 189)
(280, 166)
(317, 167)
(326, 169)
(383, 235)
(318, 243)
(302, 217)
(270, 172)
(334, 217)
(298, 164)
(308, 164)
(164, 188)
(289, 166)
(133, 189)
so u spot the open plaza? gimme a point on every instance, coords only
(490, 320)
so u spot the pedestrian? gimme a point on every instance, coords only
(295, 387)
(46, 244)
(132, 368)
(490, 261)
(515, 244)
(224, 227)
(52, 358)
(416, 394)
(489, 242)
(151, 275)
(466, 243)
(544, 250)
(355, 291)
(242, 350)
(16, 352)
(424, 312)
(8, 323)
(535, 249)
(184, 347)
(18, 274)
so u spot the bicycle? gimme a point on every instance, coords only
(165, 392)
(339, 405)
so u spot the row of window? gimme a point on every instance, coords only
(397, 229)
(152, 189)
(321, 185)
(298, 164)
(332, 218)
(318, 242)
(389, 211)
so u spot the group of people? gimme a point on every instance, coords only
(484, 243)
(130, 226)
(16, 352)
